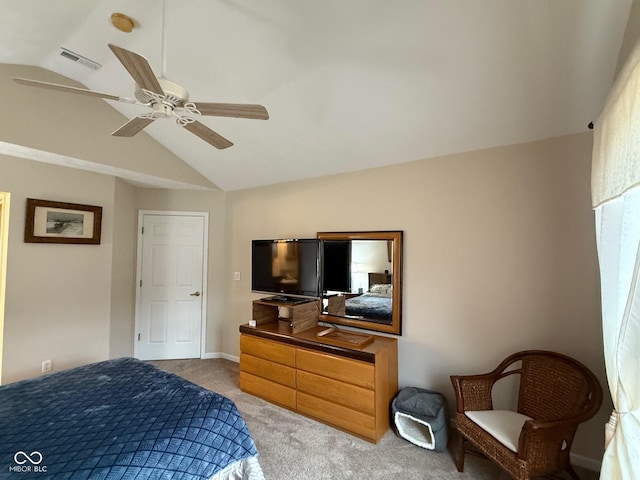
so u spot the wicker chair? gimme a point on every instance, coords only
(556, 393)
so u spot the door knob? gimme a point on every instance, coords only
(197, 294)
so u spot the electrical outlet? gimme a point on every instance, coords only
(46, 366)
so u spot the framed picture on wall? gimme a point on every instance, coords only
(60, 222)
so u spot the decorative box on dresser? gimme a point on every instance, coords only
(337, 379)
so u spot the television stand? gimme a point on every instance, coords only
(300, 316)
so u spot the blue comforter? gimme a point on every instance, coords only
(117, 419)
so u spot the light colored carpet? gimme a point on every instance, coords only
(294, 447)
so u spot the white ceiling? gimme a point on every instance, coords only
(349, 84)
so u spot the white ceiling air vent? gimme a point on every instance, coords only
(79, 59)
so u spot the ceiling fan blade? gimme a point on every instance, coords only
(133, 126)
(139, 68)
(64, 88)
(236, 110)
(206, 134)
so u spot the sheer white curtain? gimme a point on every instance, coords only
(615, 186)
(618, 230)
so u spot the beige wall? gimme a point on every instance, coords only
(123, 268)
(499, 255)
(57, 296)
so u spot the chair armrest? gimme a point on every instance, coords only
(554, 424)
(546, 439)
(473, 392)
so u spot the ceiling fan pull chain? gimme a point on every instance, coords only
(192, 108)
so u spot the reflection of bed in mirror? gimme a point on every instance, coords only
(374, 304)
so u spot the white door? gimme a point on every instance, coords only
(171, 268)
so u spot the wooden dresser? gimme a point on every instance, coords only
(348, 388)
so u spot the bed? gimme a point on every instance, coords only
(122, 418)
(375, 304)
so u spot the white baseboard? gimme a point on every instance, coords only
(226, 356)
(231, 358)
(209, 356)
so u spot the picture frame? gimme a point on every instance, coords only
(61, 222)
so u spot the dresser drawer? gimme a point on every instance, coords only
(275, 372)
(269, 350)
(274, 392)
(358, 398)
(339, 368)
(342, 417)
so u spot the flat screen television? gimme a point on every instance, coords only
(288, 268)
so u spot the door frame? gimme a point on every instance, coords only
(4, 247)
(205, 264)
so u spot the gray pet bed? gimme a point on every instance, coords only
(419, 416)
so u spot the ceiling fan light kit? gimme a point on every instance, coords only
(164, 97)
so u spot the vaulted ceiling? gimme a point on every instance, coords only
(349, 85)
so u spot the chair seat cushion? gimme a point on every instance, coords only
(504, 425)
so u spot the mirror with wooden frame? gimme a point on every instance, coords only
(362, 279)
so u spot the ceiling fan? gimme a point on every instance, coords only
(166, 99)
